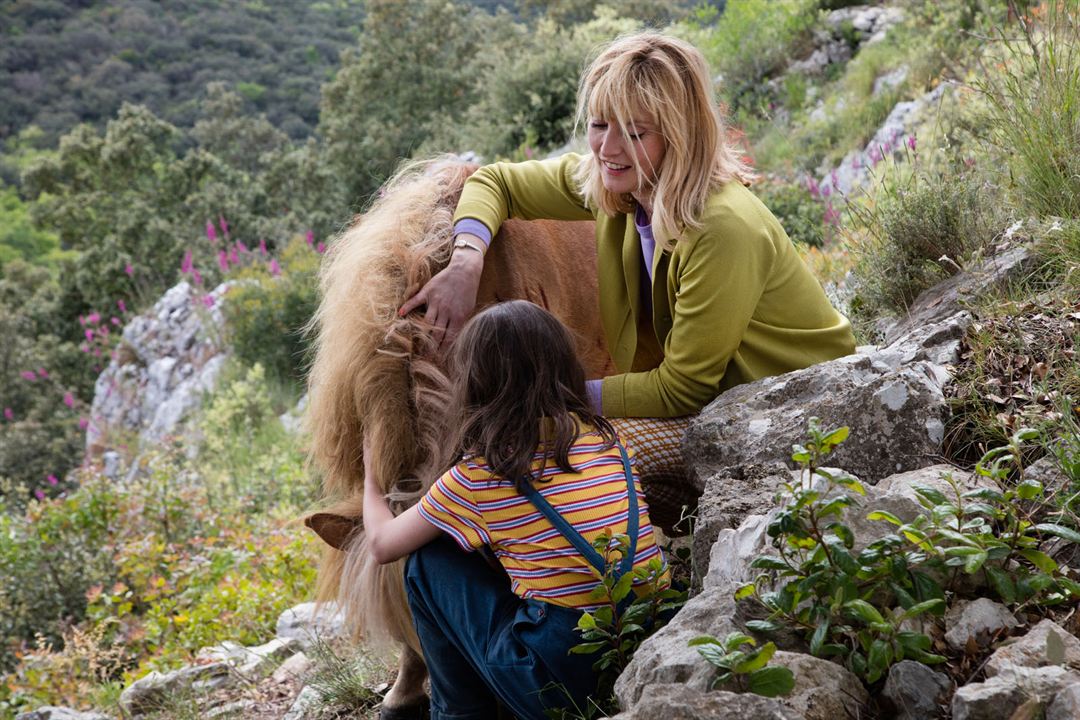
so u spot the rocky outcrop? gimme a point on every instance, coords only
(844, 31)
(167, 360)
(677, 702)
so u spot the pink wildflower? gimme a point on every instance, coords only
(262, 247)
(241, 247)
(211, 232)
(188, 263)
(82, 320)
(42, 373)
(52, 480)
(196, 276)
(9, 414)
(310, 237)
(84, 348)
(89, 334)
(83, 423)
(129, 269)
(28, 375)
(223, 261)
(122, 305)
(115, 321)
(208, 300)
(911, 143)
(224, 225)
(97, 353)
(234, 257)
(93, 318)
(275, 269)
(320, 248)
(69, 399)
(39, 494)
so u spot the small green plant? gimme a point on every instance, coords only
(346, 679)
(633, 607)
(746, 669)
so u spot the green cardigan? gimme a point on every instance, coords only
(731, 303)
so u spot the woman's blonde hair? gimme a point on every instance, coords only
(667, 79)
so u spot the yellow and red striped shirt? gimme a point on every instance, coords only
(476, 508)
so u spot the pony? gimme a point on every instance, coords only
(378, 374)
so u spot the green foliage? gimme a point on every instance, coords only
(346, 678)
(922, 227)
(263, 305)
(799, 212)
(842, 601)
(1040, 83)
(634, 606)
(745, 669)
(18, 238)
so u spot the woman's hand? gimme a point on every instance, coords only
(389, 537)
(450, 295)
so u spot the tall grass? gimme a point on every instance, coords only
(1035, 102)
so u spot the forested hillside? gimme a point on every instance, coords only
(224, 145)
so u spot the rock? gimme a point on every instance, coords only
(823, 690)
(51, 712)
(888, 81)
(1000, 696)
(733, 551)
(151, 692)
(228, 710)
(916, 692)
(677, 702)
(1035, 650)
(309, 623)
(296, 666)
(896, 417)
(306, 705)
(251, 661)
(1066, 704)
(981, 619)
(168, 359)
(666, 657)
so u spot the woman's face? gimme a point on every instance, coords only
(628, 167)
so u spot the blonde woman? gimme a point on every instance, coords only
(700, 288)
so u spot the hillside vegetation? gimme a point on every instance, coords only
(249, 177)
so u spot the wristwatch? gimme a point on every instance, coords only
(460, 242)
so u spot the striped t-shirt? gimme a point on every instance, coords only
(477, 509)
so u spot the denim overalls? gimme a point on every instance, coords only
(481, 641)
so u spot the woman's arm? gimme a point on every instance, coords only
(389, 537)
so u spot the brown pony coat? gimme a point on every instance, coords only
(375, 372)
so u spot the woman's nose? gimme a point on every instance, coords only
(611, 144)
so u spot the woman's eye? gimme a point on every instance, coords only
(597, 125)
(635, 136)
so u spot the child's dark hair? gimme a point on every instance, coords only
(513, 364)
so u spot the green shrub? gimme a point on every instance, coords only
(801, 214)
(1035, 102)
(267, 313)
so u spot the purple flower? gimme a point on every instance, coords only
(911, 143)
(69, 399)
(52, 480)
(82, 320)
(93, 318)
(211, 232)
(223, 261)
(262, 247)
(241, 246)
(208, 301)
(188, 263)
(197, 277)
(826, 191)
(234, 257)
(83, 423)
(115, 321)
(9, 414)
(128, 269)
(42, 373)
(275, 269)
(89, 335)
(122, 305)
(224, 225)
(310, 237)
(320, 248)
(28, 375)
(39, 494)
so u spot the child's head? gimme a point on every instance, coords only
(512, 365)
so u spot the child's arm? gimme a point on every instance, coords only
(390, 537)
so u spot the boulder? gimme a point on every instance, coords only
(51, 712)
(980, 620)
(1001, 695)
(168, 359)
(916, 692)
(295, 667)
(310, 623)
(891, 398)
(823, 690)
(1066, 704)
(306, 706)
(154, 690)
(251, 661)
(1036, 649)
(677, 702)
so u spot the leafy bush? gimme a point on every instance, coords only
(745, 669)
(800, 213)
(268, 310)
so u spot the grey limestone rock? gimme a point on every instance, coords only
(823, 690)
(916, 692)
(1037, 649)
(309, 622)
(981, 619)
(251, 661)
(1066, 704)
(52, 712)
(151, 692)
(1001, 695)
(305, 706)
(677, 702)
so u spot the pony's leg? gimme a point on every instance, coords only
(406, 700)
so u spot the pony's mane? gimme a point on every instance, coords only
(370, 374)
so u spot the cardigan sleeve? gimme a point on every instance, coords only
(718, 279)
(534, 190)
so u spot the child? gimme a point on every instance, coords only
(542, 477)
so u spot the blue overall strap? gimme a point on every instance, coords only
(575, 538)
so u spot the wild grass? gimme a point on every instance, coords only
(347, 677)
